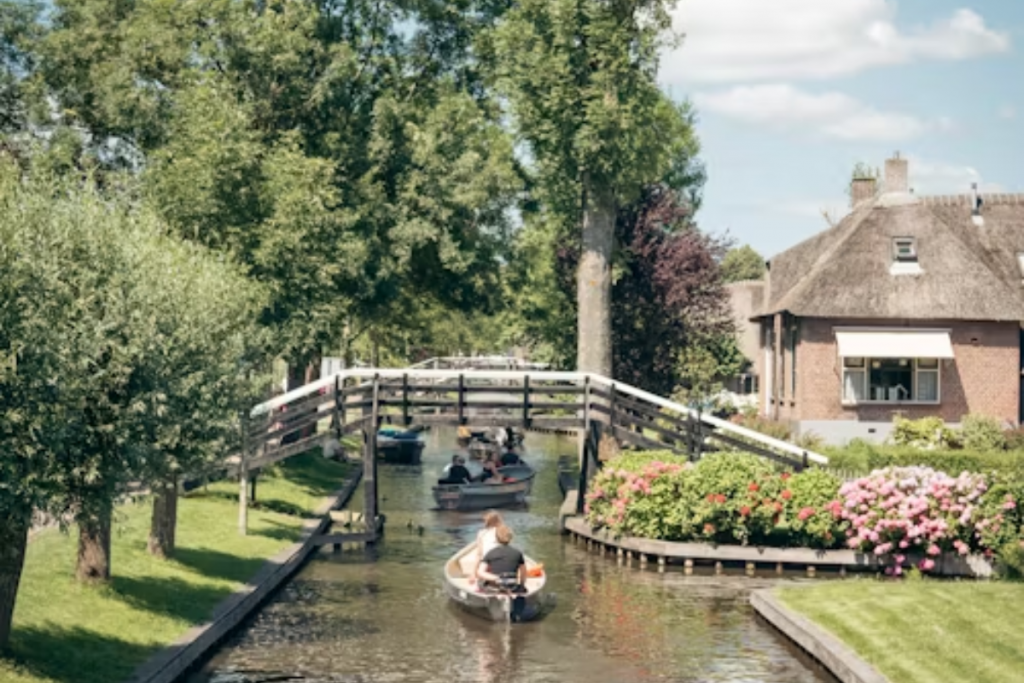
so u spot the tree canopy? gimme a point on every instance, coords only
(742, 263)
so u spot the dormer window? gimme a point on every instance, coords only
(904, 250)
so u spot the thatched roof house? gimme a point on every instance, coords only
(909, 305)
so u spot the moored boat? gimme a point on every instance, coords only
(517, 485)
(492, 604)
(401, 447)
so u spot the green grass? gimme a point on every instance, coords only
(923, 631)
(66, 632)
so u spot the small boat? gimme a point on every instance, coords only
(481, 496)
(401, 447)
(493, 604)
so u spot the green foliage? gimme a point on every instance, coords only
(862, 456)
(126, 348)
(981, 433)
(742, 263)
(725, 498)
(1011, 559)
(927, 432)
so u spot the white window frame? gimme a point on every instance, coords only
(911, 243)
(849, 366)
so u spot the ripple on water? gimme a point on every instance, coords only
(349, 619)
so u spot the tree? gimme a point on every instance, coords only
(580, 78)
(123, 353)
(668, 303)
(742, 263)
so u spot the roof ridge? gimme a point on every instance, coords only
(957, 199)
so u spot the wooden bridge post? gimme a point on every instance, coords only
(370, 460)
(526, 401)
(243, 478)
(461, 399)
(405, 399)
(338, 417)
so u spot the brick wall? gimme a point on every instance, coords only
(983, 378)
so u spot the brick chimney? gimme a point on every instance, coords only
(862, 189)
(896, 174)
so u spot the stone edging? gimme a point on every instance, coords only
(167, 665)
(839, 659)
(947, 564)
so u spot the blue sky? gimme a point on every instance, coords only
(792, 93)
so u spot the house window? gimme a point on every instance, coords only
(853, 380)
(904, 250)
(890, 380)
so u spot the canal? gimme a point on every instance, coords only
(356, 619)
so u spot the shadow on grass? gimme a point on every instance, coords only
(172, 597)
(219, 565)
(280, 532)
(75, 655)
(269, 505)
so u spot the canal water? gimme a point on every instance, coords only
(354, 618)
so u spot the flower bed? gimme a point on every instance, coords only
(733, 498)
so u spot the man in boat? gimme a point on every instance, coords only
(510, 457)
(505, 564)
(456, 472)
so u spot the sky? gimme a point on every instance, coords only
(791, 94)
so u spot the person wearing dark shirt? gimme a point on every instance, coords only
(505, 560)
(510, 458)
(457, 472)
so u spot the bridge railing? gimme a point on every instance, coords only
(366, 398)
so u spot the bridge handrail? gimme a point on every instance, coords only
(542, 375)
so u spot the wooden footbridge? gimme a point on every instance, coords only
(596, 407)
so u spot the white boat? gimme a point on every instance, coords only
(484, 495)
(492, 604)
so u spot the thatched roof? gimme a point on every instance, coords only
(968, 272)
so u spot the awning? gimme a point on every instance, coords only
(894, 343)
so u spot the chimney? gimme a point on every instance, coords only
(896, 174)
(862, 189)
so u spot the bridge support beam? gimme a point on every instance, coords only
(370, 459)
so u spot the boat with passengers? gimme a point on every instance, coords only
(505, 601)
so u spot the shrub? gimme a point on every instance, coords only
(926, 433)
(982, 433)
(902, 509)
(861, 456)
(810, 513)
(772, 428)
(1011, 559)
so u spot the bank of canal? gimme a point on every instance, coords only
(345, 618)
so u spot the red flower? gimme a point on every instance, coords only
(744, 511)
(778, 506)
(786, 475)
(720, 498)
(709, 528)
(787, 494)
(753, 486)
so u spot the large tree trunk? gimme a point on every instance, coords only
(94, 543)
(13, 540)
(594, 285)
(165, 519)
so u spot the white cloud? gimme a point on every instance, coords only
(740, 40)
(928, 177)
(1007, 112)
(831, 114)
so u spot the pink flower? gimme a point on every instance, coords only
(926, 565)
(933, 550)
(805, 513)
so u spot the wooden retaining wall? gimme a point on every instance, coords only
(668, 552)
(839, 659)
(196, 644)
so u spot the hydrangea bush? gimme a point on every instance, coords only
(734, 498)
(899, 510)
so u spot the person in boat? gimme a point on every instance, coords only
(456, 472)
(510, 457)
(486, 538)
(504, 563)
(491, 475)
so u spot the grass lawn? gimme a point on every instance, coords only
(65, 632)
(924, 631)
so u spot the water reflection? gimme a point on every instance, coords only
(347, 618)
